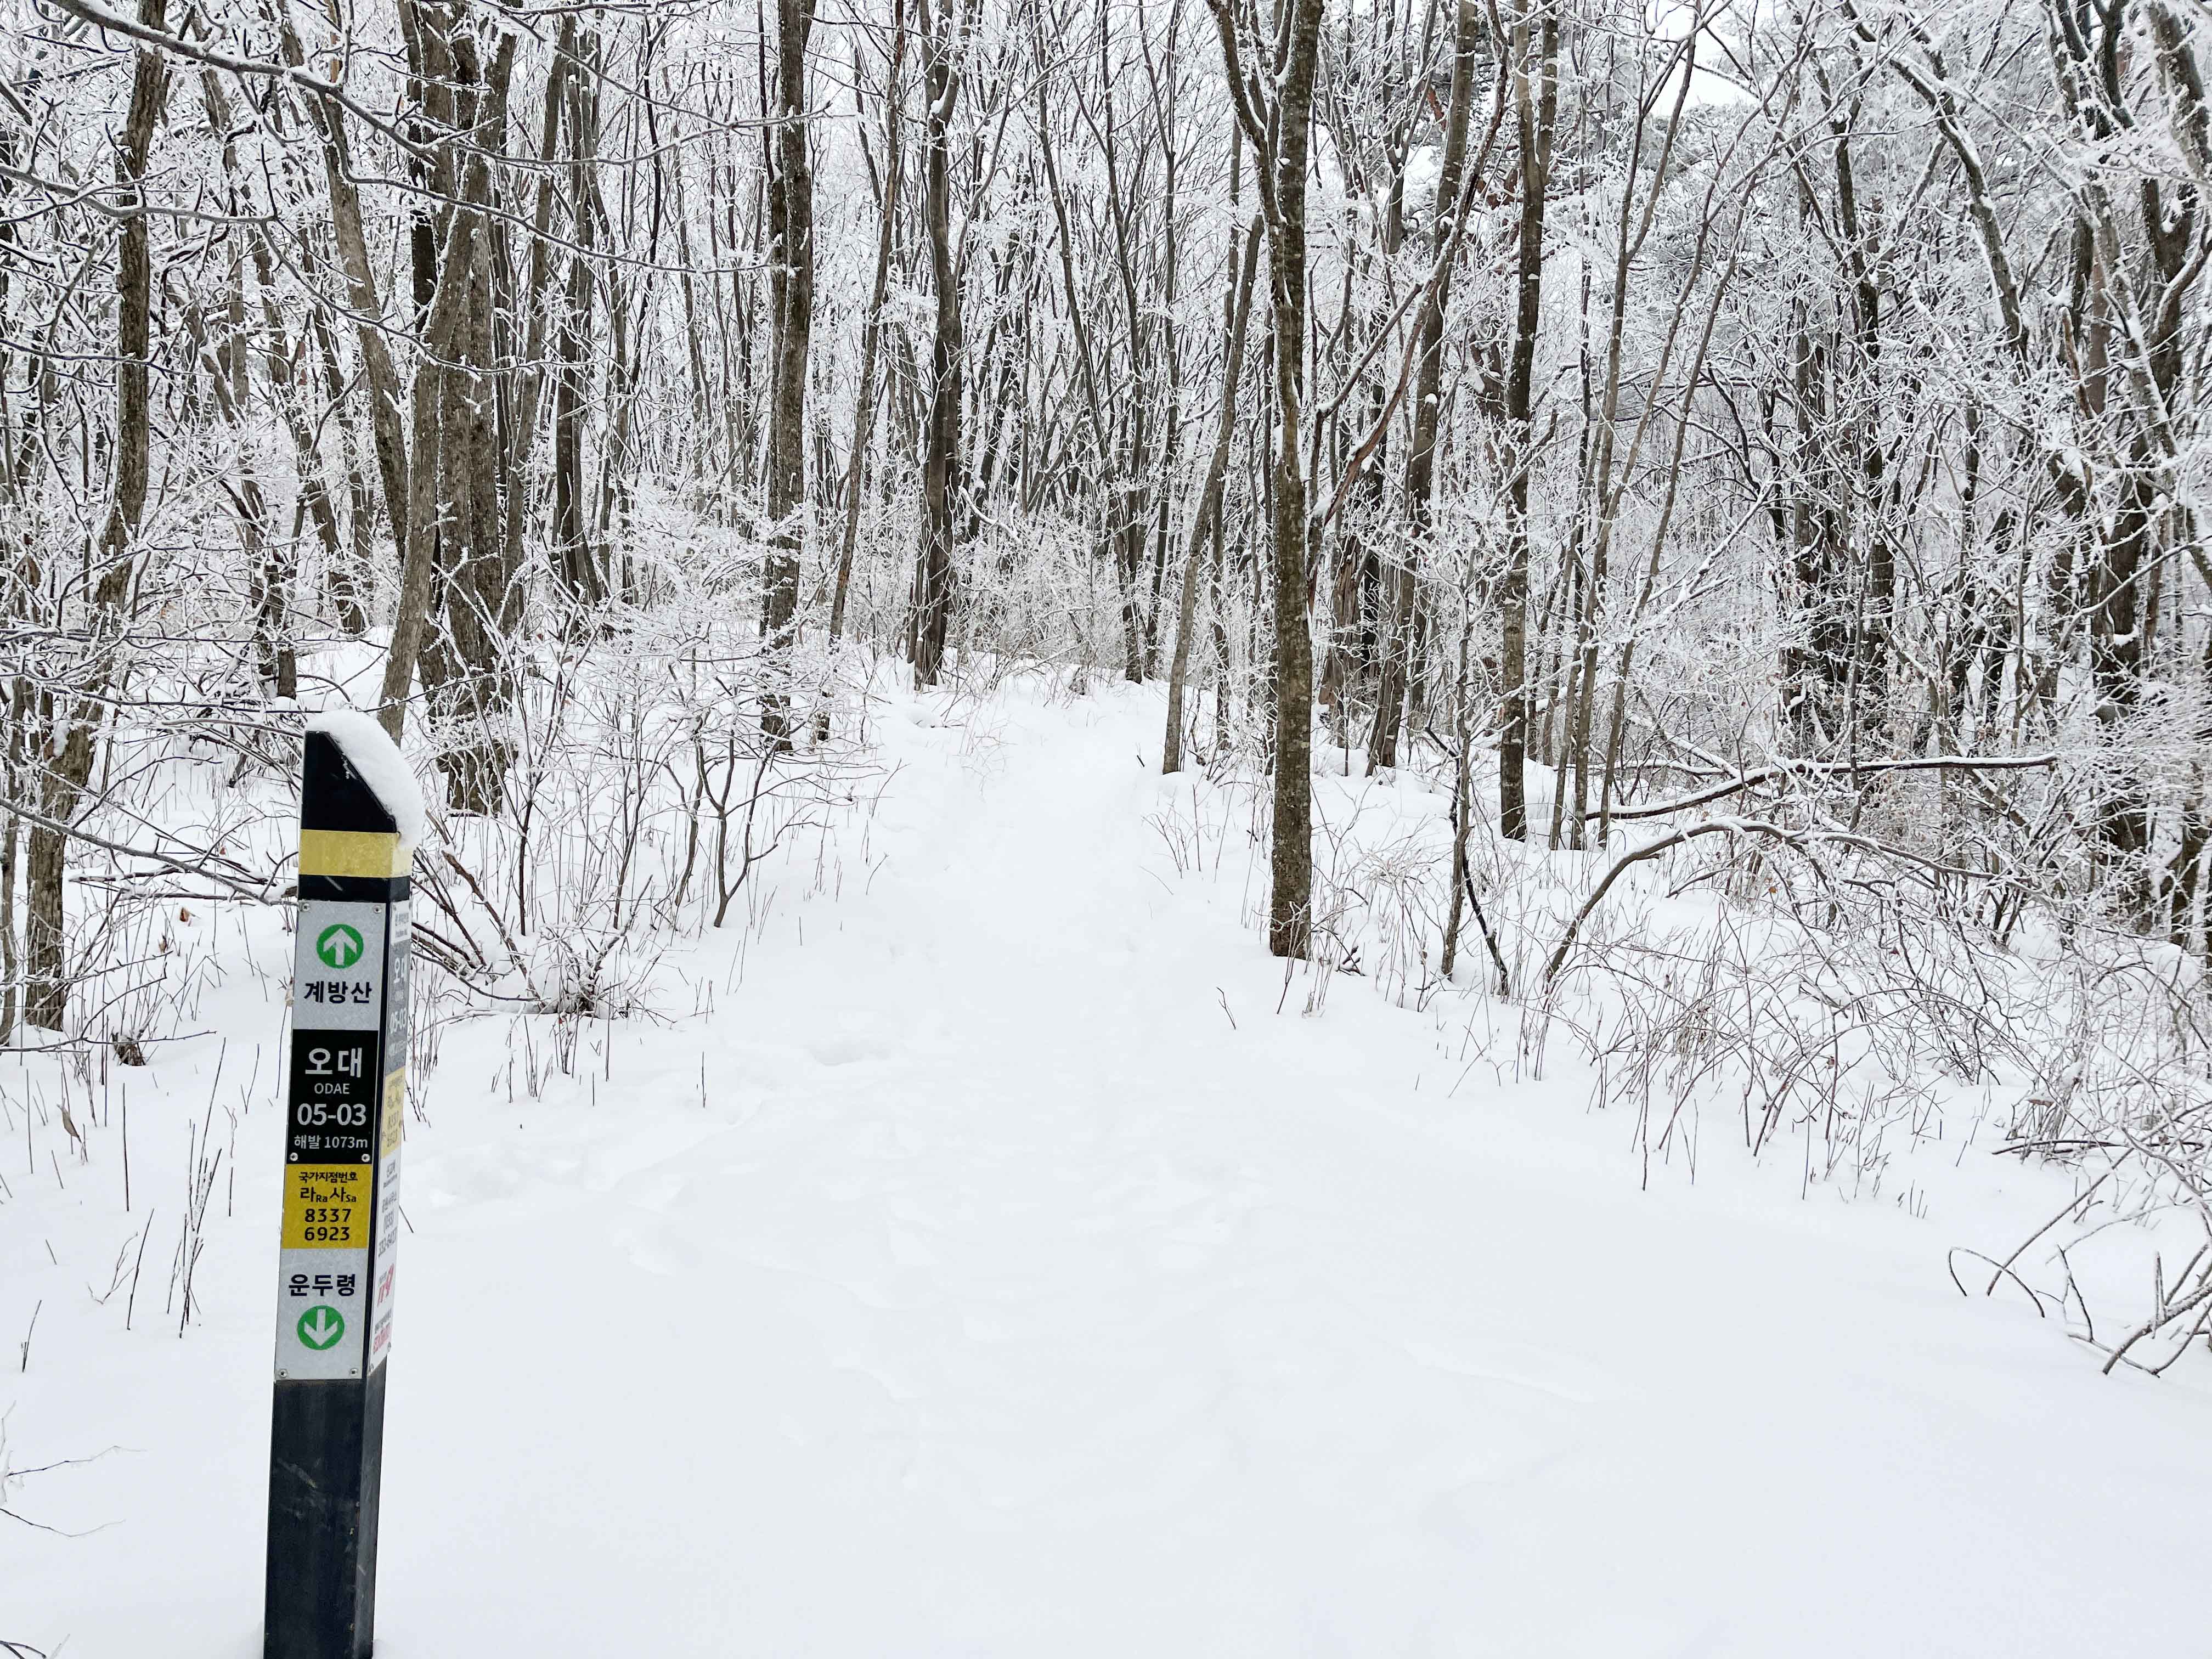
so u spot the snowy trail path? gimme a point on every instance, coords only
(1002, 1299)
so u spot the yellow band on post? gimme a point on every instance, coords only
(353, 853)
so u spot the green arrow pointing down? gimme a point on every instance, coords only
(321, 1327)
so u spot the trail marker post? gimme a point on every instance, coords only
(344, 1103)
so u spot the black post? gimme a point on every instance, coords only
(344, 1100)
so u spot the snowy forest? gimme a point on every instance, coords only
(1322, 802)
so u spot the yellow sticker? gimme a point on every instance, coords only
(395, 1109)
(353, 853)
(326, 1207)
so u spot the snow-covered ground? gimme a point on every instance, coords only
(1007, 1266)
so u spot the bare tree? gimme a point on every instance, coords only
(791, 288)
(944, 27)
(1280, 127)
(1535, 49)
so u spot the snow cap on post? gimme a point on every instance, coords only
(361, 814)
(372, 789)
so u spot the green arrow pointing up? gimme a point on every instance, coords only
(338, 945)
(321, 1326)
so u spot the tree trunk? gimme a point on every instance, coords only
(1282, 138)
(791, 265)
(442, 330)
(940, 462)
(1537, 111)
(581, 571)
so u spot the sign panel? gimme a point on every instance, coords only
(345, 1109)
(338, 963)
(333, 1109)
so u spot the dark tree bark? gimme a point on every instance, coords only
(941, 42)
(466, 668)
(791, 288)
(443, 331)
(581, 572)
(1280, 133)
(1536, 109)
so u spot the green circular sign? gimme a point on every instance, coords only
(338, 945)
(321, 1327)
